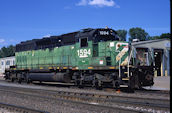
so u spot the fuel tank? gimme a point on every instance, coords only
(50, 77)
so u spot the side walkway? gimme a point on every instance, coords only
(1, 76)
(161, 83)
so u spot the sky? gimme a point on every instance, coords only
(22, 20)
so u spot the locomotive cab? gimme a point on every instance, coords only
(100, 53)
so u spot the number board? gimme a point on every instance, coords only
(104, 32)
(83, 53)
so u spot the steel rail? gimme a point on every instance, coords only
(97, 98)
(141, 100)
(19, 109)
(78, 103)
(149, 91)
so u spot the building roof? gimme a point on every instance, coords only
(153, 44)
(7, 58)
(148, 41)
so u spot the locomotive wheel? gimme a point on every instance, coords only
(93, 83)
(98, 84)
(75, 83)
(12, 79)
(79, 83)
(19, 80)
(138, 83)
(7, 76)
(28, 81)
(116, 84)
(132, 83)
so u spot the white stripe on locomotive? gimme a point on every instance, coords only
(123, 52)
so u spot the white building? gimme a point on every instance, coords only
(6, 63)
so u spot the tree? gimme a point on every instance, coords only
(138, 33)
(3, 52)
(11, 51)
(122, 34)
(162, 36)
(153, 37)
(7, 51)
(165, 35)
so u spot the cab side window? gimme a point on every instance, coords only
(84, 42)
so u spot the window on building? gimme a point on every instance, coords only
(7, 62)
(2, 63)
(13, 62)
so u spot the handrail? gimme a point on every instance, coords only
(129, 59)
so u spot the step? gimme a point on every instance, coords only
(125, 72)
(125, 78)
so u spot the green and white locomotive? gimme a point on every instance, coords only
(94, 57)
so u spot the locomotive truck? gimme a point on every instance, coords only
(94, 57)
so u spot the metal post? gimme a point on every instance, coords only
(119, 68)
(119, 65)
(128, 67)
(129, 58)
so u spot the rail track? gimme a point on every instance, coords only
(149, 91)
(93, 106)
(113, 101)
(19, 109)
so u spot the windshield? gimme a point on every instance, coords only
(143, 57)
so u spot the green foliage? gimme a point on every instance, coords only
(154, 37)
(165, 35)
(162, 36)
(7, 51)
(138, 33)
(122, 34)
